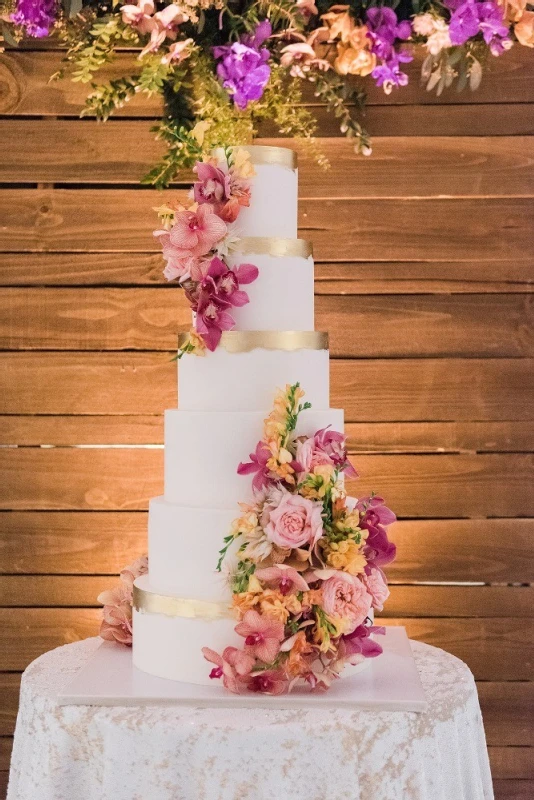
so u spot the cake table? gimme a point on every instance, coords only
(182, 753)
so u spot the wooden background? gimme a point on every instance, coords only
(424, 279)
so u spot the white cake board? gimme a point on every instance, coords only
(390, 683)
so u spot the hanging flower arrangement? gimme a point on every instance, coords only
(223, 67)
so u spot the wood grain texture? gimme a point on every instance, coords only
(472, 326)
(399, 167)
(145, 383)
(353, 277)
(495, 485)
(513, 790)
(85, 543)
(123, 220)
(478, 642)
(27, 591)
(369, 437)
(24, 78)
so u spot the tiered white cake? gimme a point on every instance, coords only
(182, 605)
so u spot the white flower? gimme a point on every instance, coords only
(440, 39)
(424, 24)
(230, 242)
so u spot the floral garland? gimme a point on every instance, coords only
(309, 562)
(196, 240)
(231, 65)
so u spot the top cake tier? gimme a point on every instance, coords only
(274, 193)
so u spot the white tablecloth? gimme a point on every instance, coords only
(173, 753)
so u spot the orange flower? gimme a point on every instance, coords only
(524, 29)
(353, 61)
(244, 601)
(295, 664)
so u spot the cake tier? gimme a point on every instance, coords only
(169, 634)
(245, 369)
(281, 298)
(274, 191)
(183, 548)
(204, 448)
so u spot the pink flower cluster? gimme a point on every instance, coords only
(194, 244)
(162, 25)
(116, 625)
(309, 574)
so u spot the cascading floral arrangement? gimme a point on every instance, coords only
(309, 562)
(230, 65)
(196, 240)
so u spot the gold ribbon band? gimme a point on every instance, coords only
(171, 606)
(245, 341)
(265, 154)
(274, 246)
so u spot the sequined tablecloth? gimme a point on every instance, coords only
(179, 753)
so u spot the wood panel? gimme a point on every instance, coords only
(355, 277)
(513, 790)
(401, 167)
(509, 763)
(51, 591)
(56, 543)
(381, 437)
(478, 642)
(145, 383)
(384, 327)
(123, 220)
(446, 486)
(24, 77)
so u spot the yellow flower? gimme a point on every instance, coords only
(244, 601)
(198, 132)
(242, 165)
(353, 61)
(345, 555)
(272, 604)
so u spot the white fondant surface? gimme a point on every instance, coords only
(222, 381)
(183, 550)
(273, 203)
(204, 448)
(281, 297)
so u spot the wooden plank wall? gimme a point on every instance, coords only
(424, 279)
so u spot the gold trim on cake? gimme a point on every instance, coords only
(264, 154)
(274, 246)
(172, 606)
(245, 341)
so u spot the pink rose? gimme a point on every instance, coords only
(296, 521)
(377, 587)
(347, 597)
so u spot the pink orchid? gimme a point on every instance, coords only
(258, 466)
(178, 51)
(139, 15)
(178, 267)
(284, 578)
(212, 319)
(234, 667)
(213, 185)
(374, 517)
(135, 570)
(270, 681)
(334, 445)
(116, 615)
(263, 635)
(358, 645)
(165, 26)
(194, 233)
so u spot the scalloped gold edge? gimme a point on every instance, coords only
(265, 154)
(274, 246)
(246, 341)
(148, 602)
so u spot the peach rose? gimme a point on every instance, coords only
(377, 587)
(346, 597)
(524, 29)
(296, 521)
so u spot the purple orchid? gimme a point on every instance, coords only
(359, 642)
(384, 30)
(37, 17)
(469, 17)
(243, 68)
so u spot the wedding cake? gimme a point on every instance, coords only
(182, 611)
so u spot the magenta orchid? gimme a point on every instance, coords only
(257, 466)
